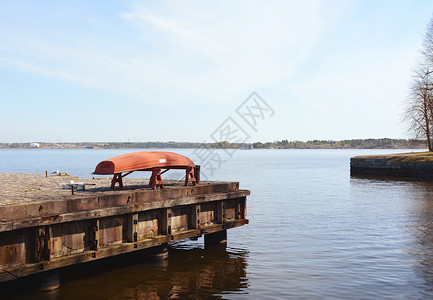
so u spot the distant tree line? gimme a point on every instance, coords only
(384, 143)
(344, 144)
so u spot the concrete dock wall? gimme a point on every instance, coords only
(390, 166)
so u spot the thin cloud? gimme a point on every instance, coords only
(182, 53)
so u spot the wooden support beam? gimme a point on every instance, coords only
(94, 235)
(237, 209)
(243, 208)
(132, 235)
(43, 244)
(220, 212)
(195, 216)
(166, 221)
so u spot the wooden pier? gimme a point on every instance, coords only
(45, 227)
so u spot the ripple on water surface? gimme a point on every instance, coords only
(314, 233)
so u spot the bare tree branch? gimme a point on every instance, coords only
(419, 105)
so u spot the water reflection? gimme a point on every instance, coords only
(190, 272)
(409, 204)
(422, 229)
(196, 273)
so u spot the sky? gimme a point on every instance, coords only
(73, 71)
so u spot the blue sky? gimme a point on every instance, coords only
(175, 70)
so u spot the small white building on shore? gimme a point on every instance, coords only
(34, 145)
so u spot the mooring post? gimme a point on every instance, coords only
(218, 238)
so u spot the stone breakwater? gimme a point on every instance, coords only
(401, 165)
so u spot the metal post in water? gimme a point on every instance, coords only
(218, 238)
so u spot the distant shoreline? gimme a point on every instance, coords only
(384, 143)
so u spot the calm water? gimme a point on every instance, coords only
(314, 233)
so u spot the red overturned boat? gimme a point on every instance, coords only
(154, 161)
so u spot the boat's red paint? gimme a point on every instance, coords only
(144, 160)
